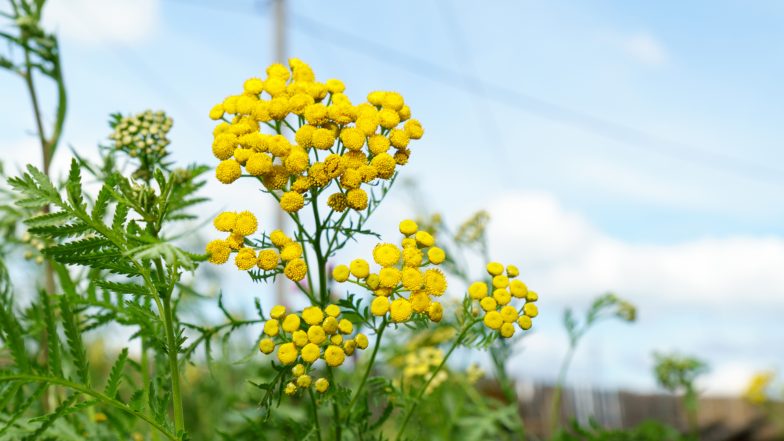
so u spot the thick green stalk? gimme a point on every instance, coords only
(145, 365)
(424, 387)
(172, 349)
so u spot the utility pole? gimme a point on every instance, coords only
(279, 41)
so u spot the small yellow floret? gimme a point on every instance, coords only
(225, 221)
(313, 315)
(362, 341)
(334, 355)
(332, 310)
(436, 255)
(246, 224)
(379, 306)
(316, 335)
(507, 330)
(291, 323)
(330, 325)
(340, 273)
(268, 259)
(408, 227)
(360, 268)
(386, 254)
(277, 311)
(296, 270)
(400, 310)
(435, 312)
(322, 384)
(291, 251)
(345, 326)
(493, 320)
(228, 171)
(287, 353)
(531, 310)
(271, 327)
(425, 239)
(266, 345)
(495, 268)
(219, 251)
(245, 259)
(477, 290)
(310, 353)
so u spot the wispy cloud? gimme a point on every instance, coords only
(103, 21)
(646, 49)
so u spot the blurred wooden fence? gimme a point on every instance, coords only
(720, 419)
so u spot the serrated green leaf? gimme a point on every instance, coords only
(122, 288)
(60, 232)
(49, 219)
(73, 187)
(55, 364)
(74, 337)
(115, 375)
(48, 420)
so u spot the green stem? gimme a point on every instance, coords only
(335, 409)
(371, 362)
(555, 407)
(316, 423)
(95, 394)
(145, 381)
(172, 349)
(423, 388)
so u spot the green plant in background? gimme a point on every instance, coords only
(607, 306)
(33, 52)
(677, 374)
(645, 431)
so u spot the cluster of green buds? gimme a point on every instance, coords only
(142, 136)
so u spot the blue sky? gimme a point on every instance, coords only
(678, 208)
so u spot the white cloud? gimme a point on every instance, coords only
(711, 297)
(646, 49)
(568, 257)
(102, 21)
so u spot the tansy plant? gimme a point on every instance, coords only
(678, 374)
(329, 163)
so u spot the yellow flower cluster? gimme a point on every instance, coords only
(499, 314)
(334, 140)
(404, 285)
(286, 258)
(422, 363)
(303, 380)
(311, 335)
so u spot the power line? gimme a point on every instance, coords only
(627, 136)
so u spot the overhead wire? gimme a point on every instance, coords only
(624, 135)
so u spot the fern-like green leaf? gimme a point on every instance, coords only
(49, 219)
(55, 365)
(73, 187)
(48, 420)
(120, 216)
(102, 203)
(74, 337)
(60, 232)
(12, 332)
(116, 374)
(122, 288)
